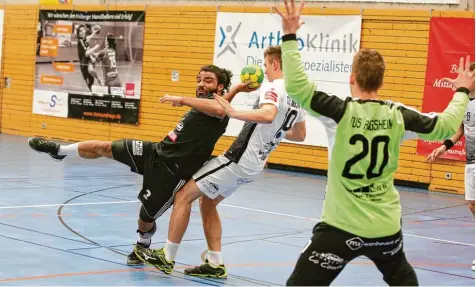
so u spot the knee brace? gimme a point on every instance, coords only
(144, 216)
(148, 234)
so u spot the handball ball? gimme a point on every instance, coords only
(97, 28)
(253, 74)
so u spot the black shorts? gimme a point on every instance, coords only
(330, 249)
(160, 179)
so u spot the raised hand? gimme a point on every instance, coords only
(175, 100)
(465, 77)
(436, 153)
(244, 87)
(229, 110)
(291, 21)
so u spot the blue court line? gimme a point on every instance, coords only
(185, 240)
(199, 280)
(49, 234)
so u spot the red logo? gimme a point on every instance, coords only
(270, 95)
(172, 136)
(130, 87)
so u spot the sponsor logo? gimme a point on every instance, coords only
(272, 96)
(230, 31)
(243, 181)
(130, 87)
(179, 126)
(395, 250)
(317, 42)
(137, 147)
(357, 243)
(211, 186)
(172, 136)
(327, 260)
(117, 91)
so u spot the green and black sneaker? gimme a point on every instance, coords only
(207, 270)
(132, 258)
(154, 257)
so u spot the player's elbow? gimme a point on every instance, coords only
(301, 136)
(267, 118)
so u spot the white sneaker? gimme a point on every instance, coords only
(472, 267)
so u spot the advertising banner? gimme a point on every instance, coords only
(445, 49)
(89, 65)
(327, 44)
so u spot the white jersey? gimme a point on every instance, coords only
(468, 123)
(256, 141)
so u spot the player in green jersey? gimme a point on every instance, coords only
(361, 215)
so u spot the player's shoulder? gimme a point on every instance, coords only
(276, 86)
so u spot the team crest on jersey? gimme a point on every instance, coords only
(137, 148)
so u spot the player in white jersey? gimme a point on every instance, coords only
(274, 117)
(466, 129)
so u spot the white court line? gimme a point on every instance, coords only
(67, 204)
(228, 205)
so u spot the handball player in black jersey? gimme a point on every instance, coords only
(85, 52)
(168, 164)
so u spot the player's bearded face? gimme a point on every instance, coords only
(207, 85)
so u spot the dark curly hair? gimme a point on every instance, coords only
(223, 75)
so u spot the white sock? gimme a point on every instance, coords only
(69, 150)
(171, 250)
(144, 241)
(214, 257)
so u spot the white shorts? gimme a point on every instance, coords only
(221, 176)
(469, 181)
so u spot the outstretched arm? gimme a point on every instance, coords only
(448, 144)
(302, 90)
(264, 115)
(207, 106)
(440, 126)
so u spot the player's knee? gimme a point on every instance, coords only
(188, 194)
(401, 274)
(104, 148)
(145, 218)
(208, 204)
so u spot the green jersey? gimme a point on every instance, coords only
(360, 194)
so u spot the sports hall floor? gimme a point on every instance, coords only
(73, 222)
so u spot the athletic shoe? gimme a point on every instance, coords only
(46, 146)
(132, 258)
(155, 257)
(207, 269)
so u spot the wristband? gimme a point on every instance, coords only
(448, 144)
(463, 90)
(289, 37)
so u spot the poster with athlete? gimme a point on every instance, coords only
(89, 65)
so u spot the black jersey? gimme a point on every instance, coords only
(82, 48)
(192, 141)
